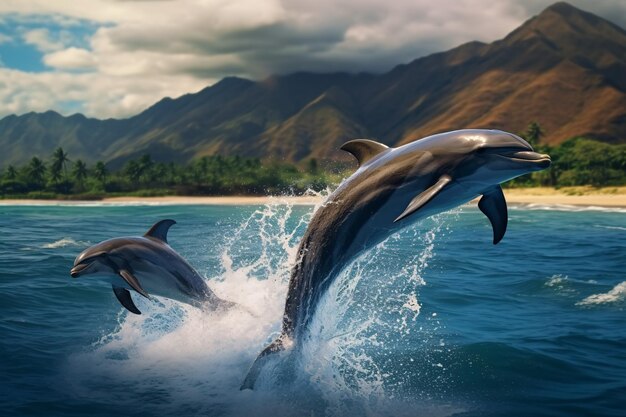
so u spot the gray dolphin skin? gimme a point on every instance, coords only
(392, 189)
(148, 265)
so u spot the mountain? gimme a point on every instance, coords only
(564, 68)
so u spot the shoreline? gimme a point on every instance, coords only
(614, 197)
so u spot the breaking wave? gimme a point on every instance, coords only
(615, 295)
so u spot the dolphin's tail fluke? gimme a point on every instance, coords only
(209, 300)
(223, 304)
(276, 346)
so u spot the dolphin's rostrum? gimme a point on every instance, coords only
(393, 188)
(148, 265)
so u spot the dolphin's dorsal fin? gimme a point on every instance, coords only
(424, 197)
(123, 296)
(159, 229)
(493, 205)
(364, 149)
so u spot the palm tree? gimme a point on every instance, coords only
(80, 172)
(101, 172)
(160, 173)
(200, 170)
(145, 168)
(533, 133)
(132, 171)
(312, 168)
(172, 173)
(36, 171)
(55, 174)
(59, 161)
(204, 167)
(11, 173)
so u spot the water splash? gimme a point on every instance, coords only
(365, 317)
(194, 360)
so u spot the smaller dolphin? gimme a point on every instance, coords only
(147, 265)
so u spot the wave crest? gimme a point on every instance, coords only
(566, 207)
(616, 294)
(66, 241)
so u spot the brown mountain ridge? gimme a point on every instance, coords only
(564, 68)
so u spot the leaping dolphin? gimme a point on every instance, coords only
(147, 265)
(392, 189)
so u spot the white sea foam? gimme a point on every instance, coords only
(556, 280)
(623, 229)
(66, 241)
(567, 286)
(566, 207)
(562, 285)
(616, 294)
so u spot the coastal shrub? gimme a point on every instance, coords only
(40, 195)
(581, 161)
(13, 187)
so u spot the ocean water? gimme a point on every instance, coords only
(436, 321)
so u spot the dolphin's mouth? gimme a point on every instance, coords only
(542, 161)
(78, 269)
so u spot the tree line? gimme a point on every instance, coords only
(578, 161)
(209, 175)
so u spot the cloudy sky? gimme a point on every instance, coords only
(114, 58)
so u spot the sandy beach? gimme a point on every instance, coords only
(574, 196)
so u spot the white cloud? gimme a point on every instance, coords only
(5, 38)
(42, 40)
(103, 95)
(70, 58)
(148, 49)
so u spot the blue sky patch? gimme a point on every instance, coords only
(22, 57)
(25, 39)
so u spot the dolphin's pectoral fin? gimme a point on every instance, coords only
(493, 205)
(424, 197)
(159, 229)
(133, 282)
(123, 296)
(260, 361)
(363, 149)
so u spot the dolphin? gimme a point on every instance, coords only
(392, 189)
(147, 265)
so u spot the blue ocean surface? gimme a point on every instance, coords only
(436, 321)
